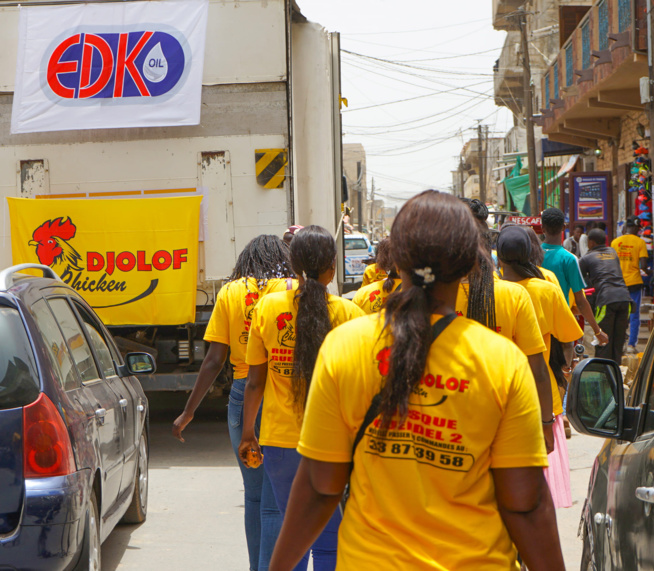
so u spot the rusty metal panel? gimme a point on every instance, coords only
(33, 178)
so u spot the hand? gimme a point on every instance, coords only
(249, 443)
(181, 422)
(548, 432)
(602, 338)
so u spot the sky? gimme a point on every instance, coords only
(418, 76)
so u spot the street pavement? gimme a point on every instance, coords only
(195, 508)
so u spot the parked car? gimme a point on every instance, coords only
(617, 521)
(73, 427)
(358, 251)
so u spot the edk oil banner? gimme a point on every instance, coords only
(134, 261)
(109, 65)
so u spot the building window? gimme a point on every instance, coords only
(603, 16)
(569, 71)
(555, 73)
(585, 46)
(547, 91)
(624, 15)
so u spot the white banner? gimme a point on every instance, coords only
(109, 65)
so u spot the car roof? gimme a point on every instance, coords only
(12, 277)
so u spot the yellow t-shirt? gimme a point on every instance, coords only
(554, 318)
(423, 497)
(373, 273)
(372, 297)
(550, 276)
(514, 315)
(630, 250)
(232, 313)
(272, 340)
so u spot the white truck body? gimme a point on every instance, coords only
(271, 81)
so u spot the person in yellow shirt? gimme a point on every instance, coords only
(372, 297)
(555, 319)
(447, 472)
(377, 271)
(286, 333)
(262, 267)
(632, 254)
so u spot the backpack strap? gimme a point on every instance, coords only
(373, 410)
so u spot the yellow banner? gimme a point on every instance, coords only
(134, 261)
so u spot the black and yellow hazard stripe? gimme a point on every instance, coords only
(271, 167)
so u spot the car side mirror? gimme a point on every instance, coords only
(596, 400)
(140, 364)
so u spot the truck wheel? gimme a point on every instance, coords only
(91, 559)
(137, 510)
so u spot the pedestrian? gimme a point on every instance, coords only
(448, 470)
(286, 333)
(375, 271)
(290, 232)
(632, 254)
(371, 298)
(506, 308)
(577, 242)
(262, 267)
(554, 319)
(601, 268)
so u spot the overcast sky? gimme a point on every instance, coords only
(413, 111)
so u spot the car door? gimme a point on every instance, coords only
(628, 525)
(102, 402)
(127, 399)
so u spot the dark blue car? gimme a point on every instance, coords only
(73, 427)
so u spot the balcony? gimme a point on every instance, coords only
(594, 79)
(501, 8)
(507, 75)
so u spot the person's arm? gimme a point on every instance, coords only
(587, 313)
(211, 365)
(526, 507)
(251, 402)
(317, 489)
(643, 265)
(543, 386)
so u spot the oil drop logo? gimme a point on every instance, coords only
(117, 65)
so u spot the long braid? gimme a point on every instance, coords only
(263, 258)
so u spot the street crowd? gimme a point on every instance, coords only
(421, 425)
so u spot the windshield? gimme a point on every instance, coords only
(356, 244)
(19, 381)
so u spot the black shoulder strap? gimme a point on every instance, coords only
(372, 412)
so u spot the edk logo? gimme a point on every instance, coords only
(117, 66)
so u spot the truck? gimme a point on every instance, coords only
(271, 83)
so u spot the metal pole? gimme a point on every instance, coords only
(482, 177)
(372, 210)
(528, 113)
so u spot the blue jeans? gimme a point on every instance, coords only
(262, 518)
(281, 464)
(634, 317)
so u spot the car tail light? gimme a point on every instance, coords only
(46, 447)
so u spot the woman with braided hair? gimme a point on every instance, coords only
(432, 418)
(555, 320)
(285, 337)
(262, 267)
(371, 298)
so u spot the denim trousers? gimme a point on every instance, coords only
(281, 464)
(262, 518)
(634, 316)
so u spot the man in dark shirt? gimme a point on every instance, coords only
(601, 269)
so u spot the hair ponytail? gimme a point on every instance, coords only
(389, 282)
(434, 240)
(313, 251)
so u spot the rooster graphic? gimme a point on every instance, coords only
(383, 361)
(286, 335)
(251, 299)
(52, 247)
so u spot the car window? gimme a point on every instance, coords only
(19, 381)
(54, 342)
(356, 244)
(79, 348)
(96, 336)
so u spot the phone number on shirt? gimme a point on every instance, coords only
(407, 450)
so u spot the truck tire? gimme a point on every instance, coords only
(137, 510)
